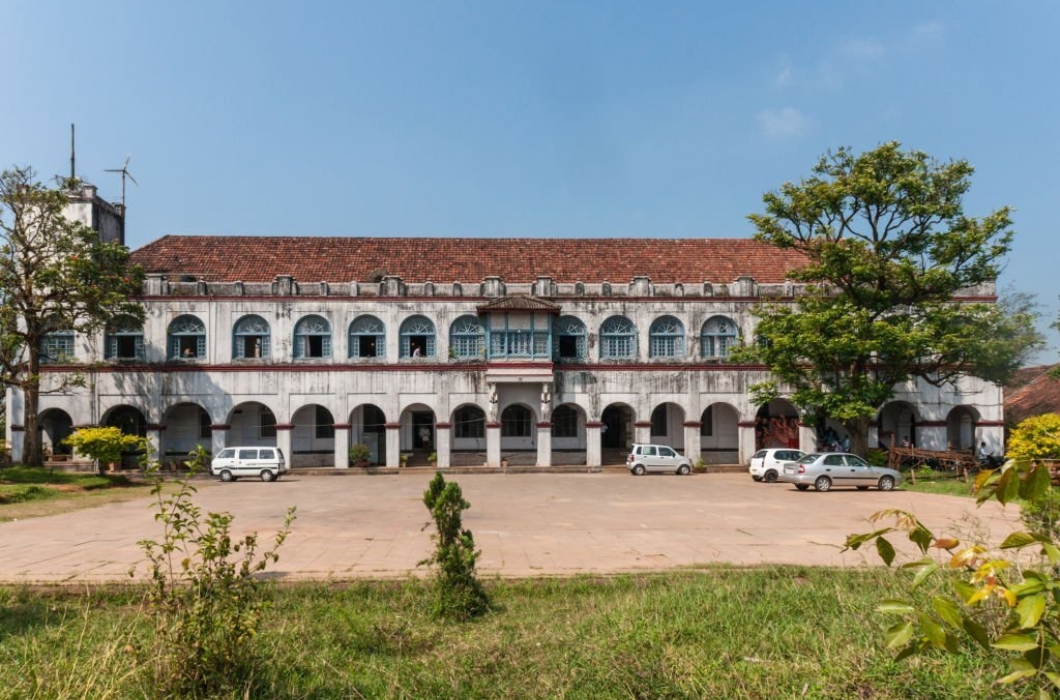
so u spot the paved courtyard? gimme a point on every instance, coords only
(525, 524)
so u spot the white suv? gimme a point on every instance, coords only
(768, 464)
(657, 458)
(266, 463)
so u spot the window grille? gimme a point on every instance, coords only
(469, 422)
(570, 338)
(466, 338)
(564, 422)
(618, 339)
(515, 421)
(57, 346)
(666, 338)
(417, 337)
(252, 338)
(187, 338)
(718, 337)
(367, 337)
(312, 338)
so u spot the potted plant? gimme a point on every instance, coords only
(359, 454)
(404, 460)
(433, 459)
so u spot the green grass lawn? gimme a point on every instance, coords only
(36, 491)
(777, 632)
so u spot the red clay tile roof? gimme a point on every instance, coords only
(515, 260)
(1032, 392)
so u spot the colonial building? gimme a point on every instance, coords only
(539, 351)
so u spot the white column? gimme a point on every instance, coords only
(283, 441)
(17, 437)
(154, 445)
(342, 445)
(544, 444)
(443, 443)
(642, 432)
(393, 444)
(693, 446)
(218, 438)
(493, 444)
(808, 438)
(593, 448)
(746, 433)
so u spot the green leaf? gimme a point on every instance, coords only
(899, 634)
(947, 610)
(1019, 673)
(933, 631)
(977, 632)
(1015, 642)
(896, 607)
(1054, 678)
(963, 589)
(1017, 540)
(885, 549)
(923, 573)
(1030, 611)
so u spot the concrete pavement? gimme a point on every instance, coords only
(524, 524)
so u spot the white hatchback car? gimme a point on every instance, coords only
(768, 464)
(266, 463)
(657, 458)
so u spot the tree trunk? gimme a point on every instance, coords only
(32, 455)
(858, 430)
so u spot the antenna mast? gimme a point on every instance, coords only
(72, 160)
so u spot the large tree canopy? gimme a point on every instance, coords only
(892, 258)
(55, 275)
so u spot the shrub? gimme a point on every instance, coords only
(359, 454)
(105, 445)
(1037, 437)
(204, 597)
(876, 457)
(459, 593)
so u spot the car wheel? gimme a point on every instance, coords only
(822, 484)
(802, 487)
(226, 476)
(757, 478)
(886, 483)
(771, 477)
(683, 470)
(266, 475)
(638, 470)
(863, 488)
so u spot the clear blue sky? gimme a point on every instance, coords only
(527, 118)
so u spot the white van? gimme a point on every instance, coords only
(266, 463)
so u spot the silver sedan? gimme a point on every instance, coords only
(826, 470)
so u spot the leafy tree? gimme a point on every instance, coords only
(889, 252)
(55, 274)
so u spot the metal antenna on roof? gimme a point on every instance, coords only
(124, 170)
(72, 160)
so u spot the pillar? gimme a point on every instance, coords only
(693, 444)
(443, 443)
(745, 431)
(393, 444)
(642, 431)
(218, 438)
(17, 438)
(493, 444)
(342, 445)
(155, 452)
(807, 438)
(283, 441)
(544, 444)
(593, 444)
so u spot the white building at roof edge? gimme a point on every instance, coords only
(533, 351)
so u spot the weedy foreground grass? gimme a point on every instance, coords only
(779, 632)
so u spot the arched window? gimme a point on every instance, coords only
(57, 346)
(469, 422)
(570, 338)
(618, 339)
(565, 422)
(187, 338)
(466, 338)
(124, 339)
(417, 337)
(367, 337)
(718, 337)
(251, 337)
(515, 421)
(312, 338)
(666, 338)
